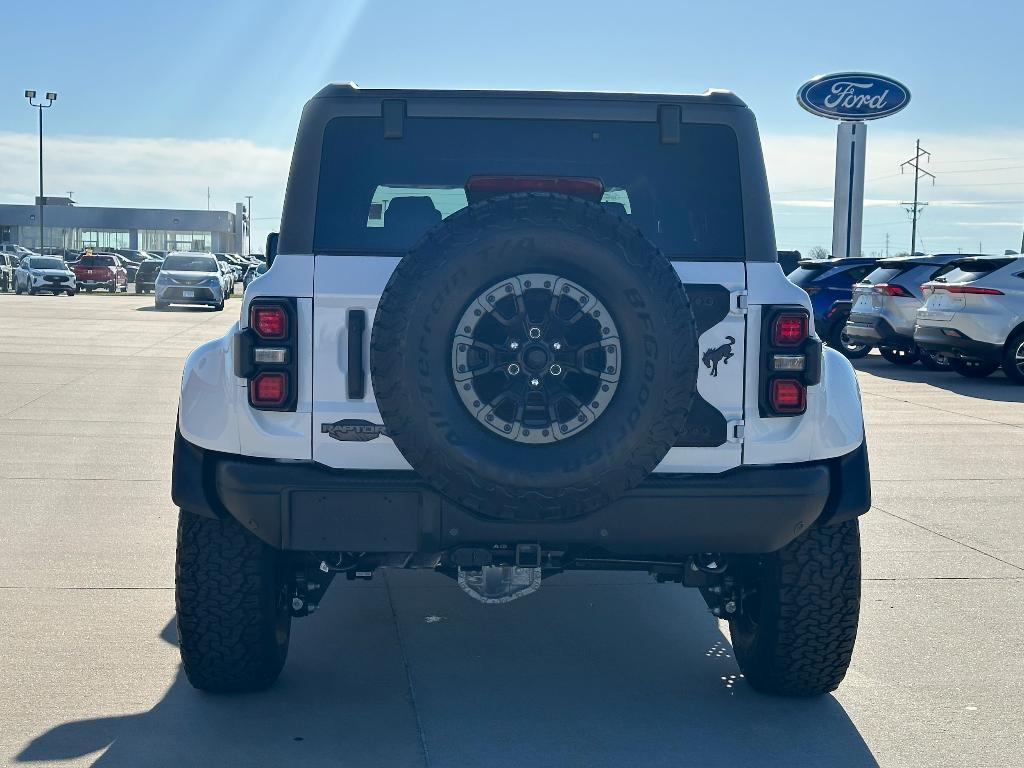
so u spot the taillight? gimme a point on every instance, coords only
(890, 289)
(269, 389)
(788, 396)
(972, 289)
(265, 354)
(270, 322)
(790, 361)
(789, 329)
(482, 187)
(961, 289)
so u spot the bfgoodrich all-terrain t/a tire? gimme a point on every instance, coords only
(797, 624)
(232, 606)
(534, 357)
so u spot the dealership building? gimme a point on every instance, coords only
(66, 225)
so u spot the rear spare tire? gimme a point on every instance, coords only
(534, 357)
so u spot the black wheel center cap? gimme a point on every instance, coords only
(535, 358)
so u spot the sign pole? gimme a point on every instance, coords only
(848, 207)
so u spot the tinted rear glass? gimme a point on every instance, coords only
(804, 275)
(973, 269)
(96, 261)
(685, 197)
(885, 274)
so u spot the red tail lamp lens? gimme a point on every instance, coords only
(972, 289)
(890, 289)
(788, 396)
(789, 330)
(269, 389)
(482, 187)
(269, 322)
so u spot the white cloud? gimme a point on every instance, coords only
(149, 173)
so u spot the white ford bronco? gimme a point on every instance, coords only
(511, 334)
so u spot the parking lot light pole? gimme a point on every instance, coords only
(248, 223)
(51, 97)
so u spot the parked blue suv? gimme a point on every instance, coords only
(829, 283)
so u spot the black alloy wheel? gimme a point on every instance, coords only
(535, 358)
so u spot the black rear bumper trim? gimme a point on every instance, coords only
(308, 507)
(876, 332)
(933, 339)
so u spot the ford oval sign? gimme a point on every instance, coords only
(853, 96)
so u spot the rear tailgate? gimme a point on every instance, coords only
(949, 294)
(347, 291)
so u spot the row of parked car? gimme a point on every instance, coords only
(950, 312)
(25, 271)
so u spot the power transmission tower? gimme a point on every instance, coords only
(916, 207)
(887, 245)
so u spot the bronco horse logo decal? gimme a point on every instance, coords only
(719, 354)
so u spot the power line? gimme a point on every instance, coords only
(916, 207)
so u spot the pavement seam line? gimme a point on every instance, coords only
(949, 538)
(946, 410)
(408, 673)
(56, 389)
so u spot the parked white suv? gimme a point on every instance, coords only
(511, 334)
(885, 305)
(974, 315)
(44, 273)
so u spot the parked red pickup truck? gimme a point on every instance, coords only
(101, 270)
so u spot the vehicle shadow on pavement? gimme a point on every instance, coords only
(179, 308)
(994, 387)
(407, 671)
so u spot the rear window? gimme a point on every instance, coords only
(97, 261)
(970, 270)
(381, 195)
(804, 274)
(885, 274)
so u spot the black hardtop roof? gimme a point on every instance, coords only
(394, 106)
(348, 90)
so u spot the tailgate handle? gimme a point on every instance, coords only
(356, 368)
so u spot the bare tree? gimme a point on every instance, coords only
(817, 252)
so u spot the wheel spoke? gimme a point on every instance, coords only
(524, 364)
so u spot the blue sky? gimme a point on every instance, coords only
(159, 100)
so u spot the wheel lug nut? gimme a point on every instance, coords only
(556, 346)
(513, 369)
(535, 333)
(534, 382)
(555, 369)
(514, 345)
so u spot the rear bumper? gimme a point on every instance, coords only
(934, 340)
(305, 506)
(876, 331)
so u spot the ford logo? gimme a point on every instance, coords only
(853, 96)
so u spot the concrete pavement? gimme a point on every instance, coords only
(593, 670)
